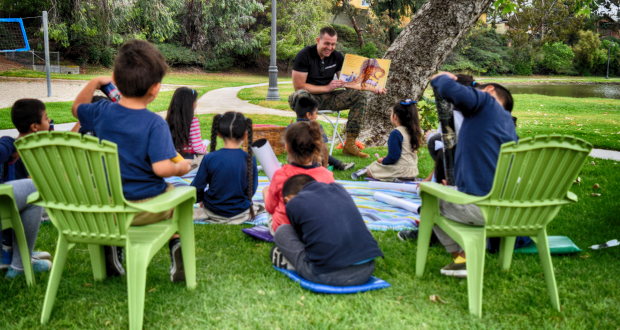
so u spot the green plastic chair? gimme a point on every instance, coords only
(9, 215)
(79, 183)
(531, 183)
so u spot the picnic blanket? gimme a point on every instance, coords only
(377, 215)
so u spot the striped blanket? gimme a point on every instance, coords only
(377, 215)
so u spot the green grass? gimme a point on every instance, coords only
(238, 288)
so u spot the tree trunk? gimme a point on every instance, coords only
(357, 29)
(417, 54)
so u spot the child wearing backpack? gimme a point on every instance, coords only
(230, 173)
(184, 127)
(403, 143)
(304, 143)
(143, 139)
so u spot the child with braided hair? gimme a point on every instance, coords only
(230, 173)
(403, 143)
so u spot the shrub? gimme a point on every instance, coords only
(178, 55)
(523, 68)
(557, 57)
(107, 58)
(94, 54)
(588, 54)
(346, 34)
(369, 50)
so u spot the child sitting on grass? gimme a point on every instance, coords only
(487, 124)
(307, 109)
(28, 116)
(329, 244)
(143, 139)
(303, 145)
(403, 143)
(184, 127)
(230, 173)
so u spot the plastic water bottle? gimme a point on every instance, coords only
(111, 92)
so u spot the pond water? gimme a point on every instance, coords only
(599, 90)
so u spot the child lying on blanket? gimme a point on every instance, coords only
(303, 145)
(230, 172)
(329, 244)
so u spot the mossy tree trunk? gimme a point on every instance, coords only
(417, 53)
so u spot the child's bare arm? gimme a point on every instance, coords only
(166, 168)
(86, 95)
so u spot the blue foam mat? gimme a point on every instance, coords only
(374, 283)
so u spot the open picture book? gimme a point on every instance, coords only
(364, 73)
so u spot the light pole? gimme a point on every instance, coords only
(608, 55)
(272, 92)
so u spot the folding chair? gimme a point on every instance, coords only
(334, 125)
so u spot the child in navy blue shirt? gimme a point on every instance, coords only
(403, 143)
(329, 244)
(487, 124)
(143, 138)
(230, 173)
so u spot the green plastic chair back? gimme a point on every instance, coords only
(79, 183)
(531, 184)
(9, 215)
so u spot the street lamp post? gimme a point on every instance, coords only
(272, 92)
(608, 55)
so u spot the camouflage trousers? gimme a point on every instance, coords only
(351, 99)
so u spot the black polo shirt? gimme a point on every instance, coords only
(308, 60)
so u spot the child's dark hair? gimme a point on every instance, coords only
(305, 142)
(26, 112)
(293, 185)
(180, 115)
(233, 125)
(503, 94)
(304, 105)
(465, 79)
(407, 113)
(138, 66)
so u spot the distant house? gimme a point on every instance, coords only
(607, 26)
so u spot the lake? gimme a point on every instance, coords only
(598, 90)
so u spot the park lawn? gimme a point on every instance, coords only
(211, 80)
(238, 288)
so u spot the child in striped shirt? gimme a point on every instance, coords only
(184, 127)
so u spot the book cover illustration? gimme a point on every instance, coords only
(364, 73)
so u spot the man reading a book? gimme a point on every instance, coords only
(313, 76)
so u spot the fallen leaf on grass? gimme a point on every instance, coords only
(596, 186)
(436, 299)
(573, 123)
(528, 132)
(595, 194)
(87, 284)
(152, 290)
(261, 292)
(302, 297)
(578, 180)
(584, 256)
(592, 163)
(400, 298)
(299, 302)
(108, 322)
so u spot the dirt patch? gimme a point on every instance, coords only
(6, 65)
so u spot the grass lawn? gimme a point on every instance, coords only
(237, 287)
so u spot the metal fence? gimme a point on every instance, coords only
(35, 60)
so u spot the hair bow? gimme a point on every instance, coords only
(408, 102)
(474, 83)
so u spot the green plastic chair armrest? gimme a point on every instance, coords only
(167, 200)
(33, 198)
(448, 194)
(572, 197)
(5, 189)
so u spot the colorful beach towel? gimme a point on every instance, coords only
(377, 215)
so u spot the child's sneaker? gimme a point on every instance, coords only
(457, 268)
(177, 271)
(278, 259)
(114, 260)
(41, 255)
(406, 235)
(38, 266)
(345, 166)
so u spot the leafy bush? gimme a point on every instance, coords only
(557, 58)
(523, 68)
(428, 113)
(177, 55)
(107, 57)
(94, 54)
(369, 50)
(483, 51)
(346, 34)
(588, 54)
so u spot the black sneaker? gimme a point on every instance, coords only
(177, 271)
(406, 235)
(458, 270)
(342, 166)
(114, 260)
(278, 260)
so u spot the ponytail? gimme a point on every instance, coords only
(407, 113)
(317, 137)
(250, 163)
(215, 127)
(305, 142)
